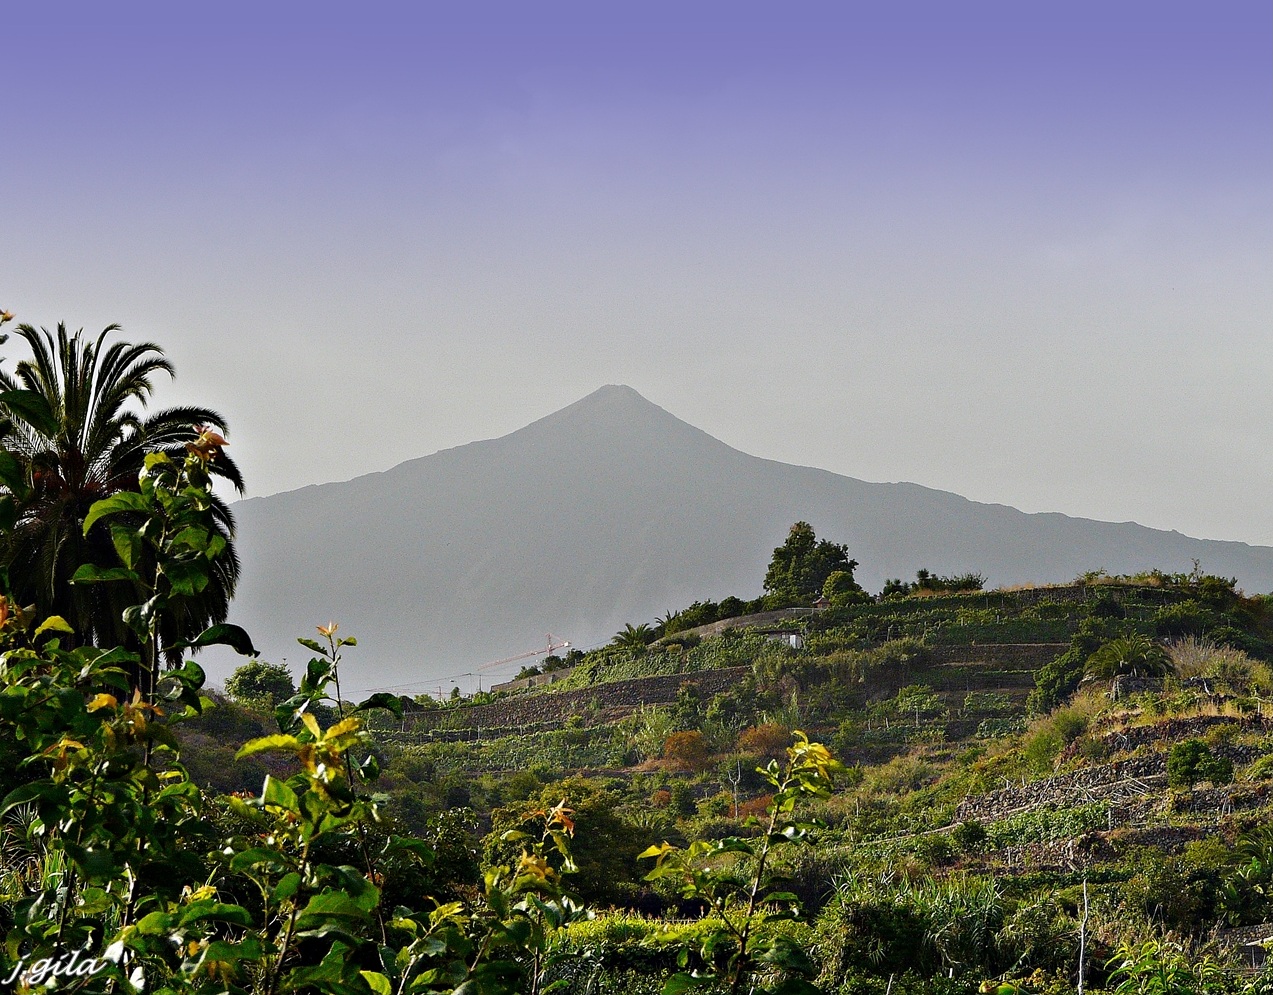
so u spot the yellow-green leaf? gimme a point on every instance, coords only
(377, 982)
(55, 623)
(276, 742)
(342, 727)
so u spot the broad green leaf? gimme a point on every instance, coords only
(377, 982)
(325, 976)
(682, 982)
(275, 792)
(113, 505)
(189, 674)
(247, 949)
(156, 924)
(44, 790)
(317, 674)
(93, 901)
(224, 634)
(89, 573)
(127, 544)
(187, 577)
(289, 884)
(192, 538)
(330, 905)
(416, 847)
(220, 911)
(94, 864)
(783, 952)
(382, 699)
(256, 857)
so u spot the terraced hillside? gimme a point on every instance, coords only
(1004, 813)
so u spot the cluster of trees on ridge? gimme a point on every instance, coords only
(801, 571)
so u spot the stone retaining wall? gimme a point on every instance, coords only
(743, 622)
(548, 710)
(1022, 656)
(1076, 788)
(1121, 783)
(1193, 727)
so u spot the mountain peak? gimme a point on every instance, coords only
(615, 394)
(617, 390)
(613, 407)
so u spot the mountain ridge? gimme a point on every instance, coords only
(611, 510)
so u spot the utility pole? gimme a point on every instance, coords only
(1083, 939)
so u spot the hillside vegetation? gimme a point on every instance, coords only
(1007, 797)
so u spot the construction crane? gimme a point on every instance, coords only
(553, 644)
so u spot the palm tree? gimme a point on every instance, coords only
(76, 426)
(634, 637)
(1130, 656)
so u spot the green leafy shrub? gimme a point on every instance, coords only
(969, 836)
(1192, 761)
(1261, 769)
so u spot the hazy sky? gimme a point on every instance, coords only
(1021, 251)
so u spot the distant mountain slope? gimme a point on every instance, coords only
(609, 511)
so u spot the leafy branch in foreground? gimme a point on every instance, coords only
(169, 548)
(739, 951)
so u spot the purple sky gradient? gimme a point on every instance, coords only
(1019, 251)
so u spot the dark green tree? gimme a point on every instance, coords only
(801, 565)
(841, 589)
(76, 430)
(1055, 681)
(258, 682)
